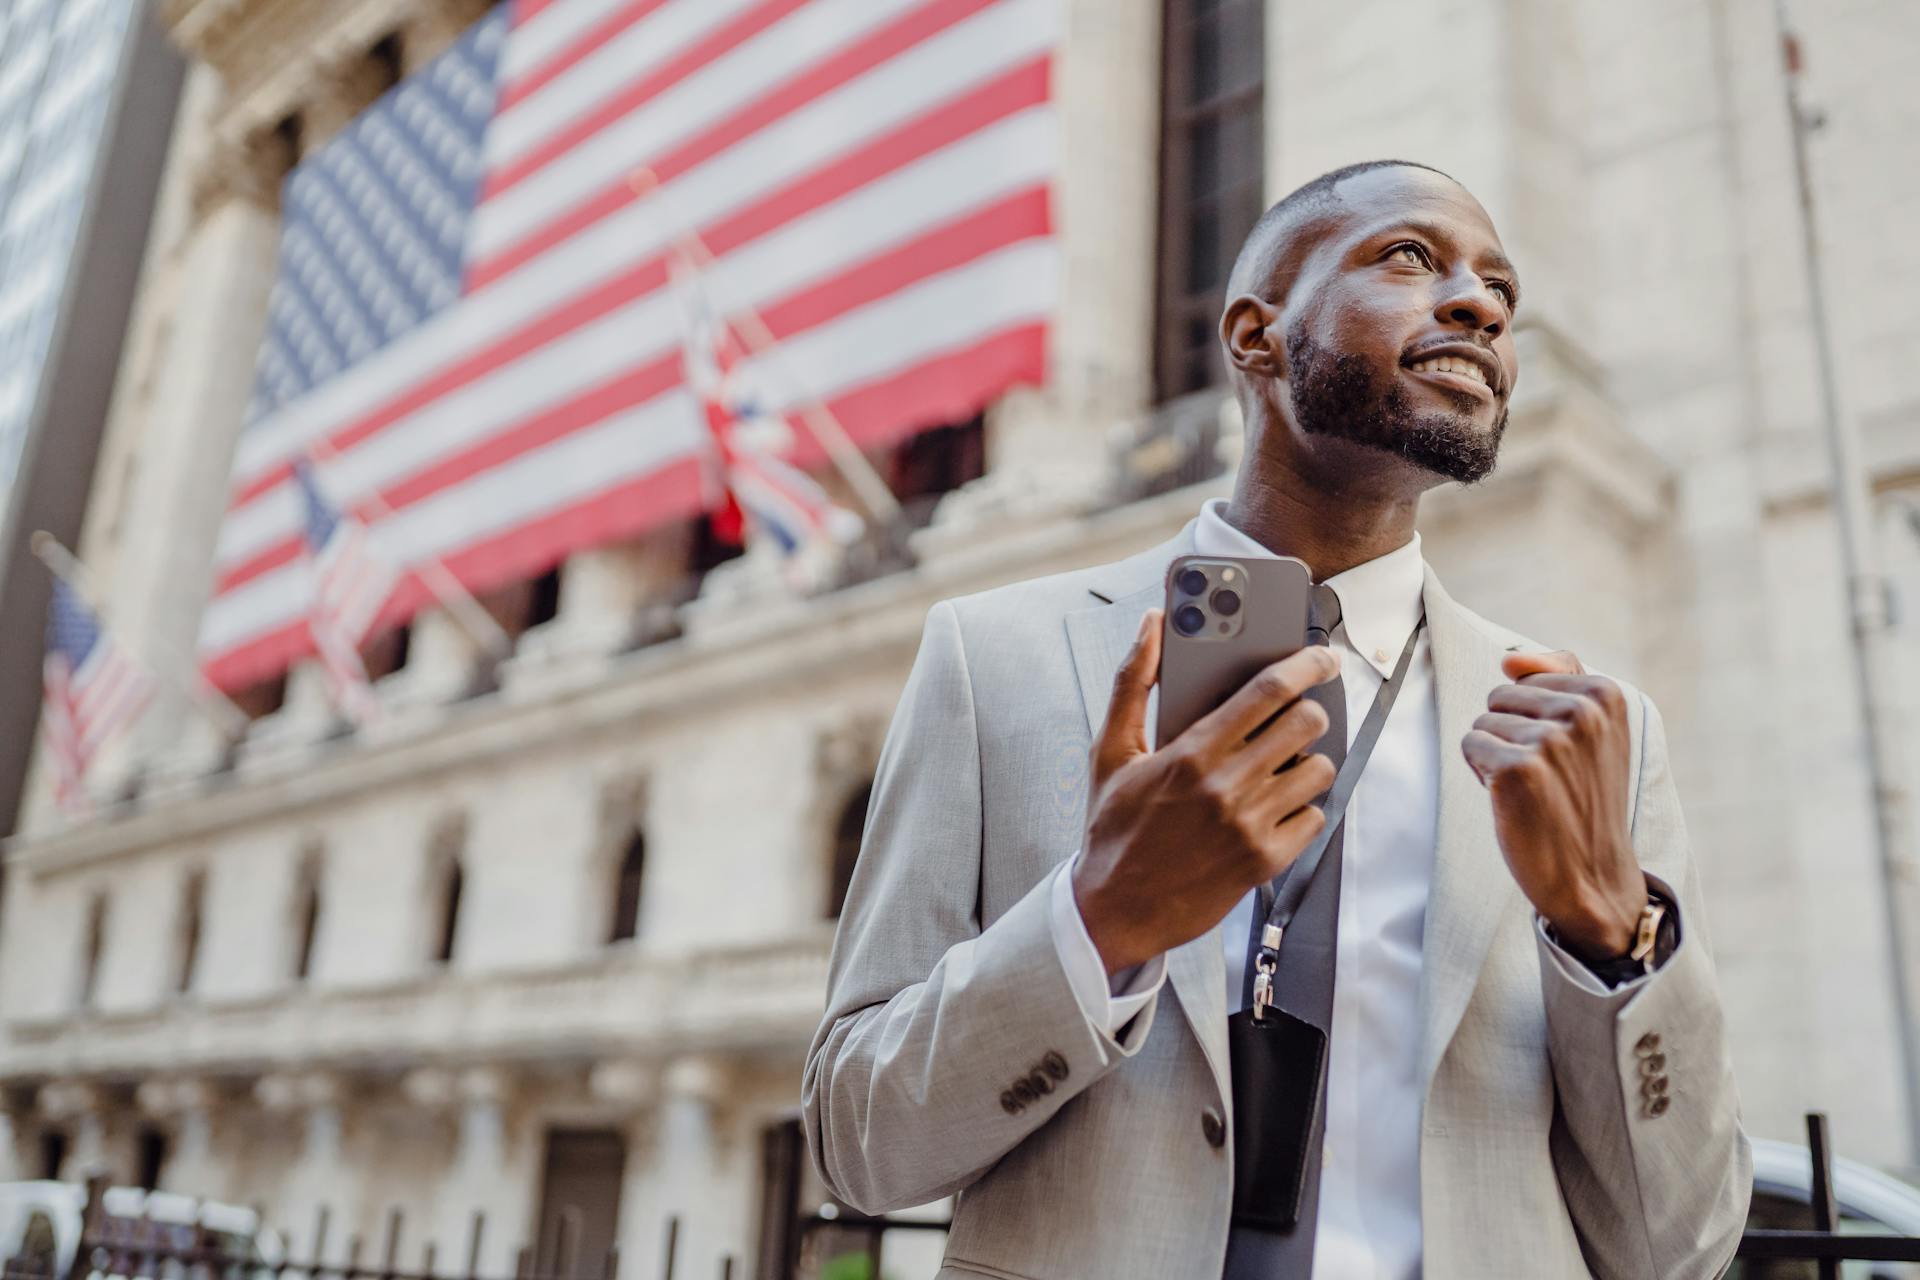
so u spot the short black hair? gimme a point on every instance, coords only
(1260, 251)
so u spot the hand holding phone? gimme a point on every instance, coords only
(1178, 834)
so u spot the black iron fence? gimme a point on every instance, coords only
(1772, 1253)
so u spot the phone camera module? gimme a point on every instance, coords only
(1188, 620)
(1193, 582)
(1226, 602)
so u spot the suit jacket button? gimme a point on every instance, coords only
(1054, 1065)
(1010, 1104)
(1647, 1044)
(1213, 1127)
(1023, 1090)
(1656, 1107)
(1040, 1082)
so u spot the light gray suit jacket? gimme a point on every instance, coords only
(953, 1057)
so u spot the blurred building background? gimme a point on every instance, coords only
(553, 932)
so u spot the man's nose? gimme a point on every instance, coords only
(1470, 303)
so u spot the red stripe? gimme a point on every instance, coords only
(715, 44)
(1003, 96)
(571, 56)
(524, 10)
(937, 392)
(816, 81)
(1009, 221)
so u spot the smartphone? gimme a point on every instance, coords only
(1226, 617)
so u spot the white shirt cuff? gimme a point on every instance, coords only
(1108, 1003)
(1577, 973)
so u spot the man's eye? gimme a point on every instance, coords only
(1505, 290)
(1410, 253)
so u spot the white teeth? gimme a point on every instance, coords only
(1451, 364)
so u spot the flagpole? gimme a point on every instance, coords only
(226, 716)
(455, 598)
(826, 428)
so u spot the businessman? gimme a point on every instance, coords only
(1526, 1069)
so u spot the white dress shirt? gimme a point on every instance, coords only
(1369, 1215)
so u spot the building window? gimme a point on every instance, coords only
(447, 919)
(95, 943)
(305, 916)
(846, 847)
(930, 464)
(626, 889)
(388, 652)
(1212, 177)
(151, 1157)
(186, 946)
(53, 1153)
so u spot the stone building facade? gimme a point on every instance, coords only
(568, 916)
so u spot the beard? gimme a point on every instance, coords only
(1337, 394)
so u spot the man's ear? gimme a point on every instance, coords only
(1249, 330)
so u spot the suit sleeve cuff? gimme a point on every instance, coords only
(1573, 970)
(1109, 1004)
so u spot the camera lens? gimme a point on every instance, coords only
(1226, 602)
(1188, 620)
(1192, 581)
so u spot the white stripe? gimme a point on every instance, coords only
(684, 110)
(624, 60)
(1014, 154)
(1013, 286)
(737, 178)
(550, 33)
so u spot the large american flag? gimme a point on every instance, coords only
(92, 690)
(474, 309)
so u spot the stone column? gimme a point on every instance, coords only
(186, 1108)
(316, 1102)
(1048, 448)
(81, 1108)
(221, 277)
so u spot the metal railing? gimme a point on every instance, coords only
(1825, 1245)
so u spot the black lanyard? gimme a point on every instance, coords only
(1279, 909)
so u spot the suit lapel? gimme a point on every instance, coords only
(1472, 888)
(1100, 637)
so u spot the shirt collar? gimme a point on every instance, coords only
(1380, 599)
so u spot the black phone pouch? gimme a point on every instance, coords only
(1279, 1064)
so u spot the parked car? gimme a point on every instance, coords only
(40, 1226)
(1870, 1203)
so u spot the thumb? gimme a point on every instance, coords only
(1124, 735)
(1562, 661)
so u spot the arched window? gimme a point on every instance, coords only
(186, 945)
(846, 847)
(96, 941)
(305, 916)
(447, 928)
(446, 851)
(626, 889)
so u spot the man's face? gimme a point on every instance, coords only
(1399, 329)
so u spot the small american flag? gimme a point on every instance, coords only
(93, 689)
(352, 581)
(474, 320)
(757, 488)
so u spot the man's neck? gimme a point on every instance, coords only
(1332, 533)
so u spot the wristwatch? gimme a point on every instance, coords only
(1654, 939)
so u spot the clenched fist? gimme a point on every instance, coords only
(1553, 751)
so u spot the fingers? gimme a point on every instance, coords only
(1561, 696)
(1525, 730)
(1488, 754)
(1534, 700)
(1275, 685)
(1289, 837)
(1272, 796)
(1125, 732)
(1560, 661)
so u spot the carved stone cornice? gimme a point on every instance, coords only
(245, 167)
(272, 55)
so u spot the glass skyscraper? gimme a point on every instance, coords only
(58, 59)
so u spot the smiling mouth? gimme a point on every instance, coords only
(1454, 371)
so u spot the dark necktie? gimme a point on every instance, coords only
(1303, 984)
